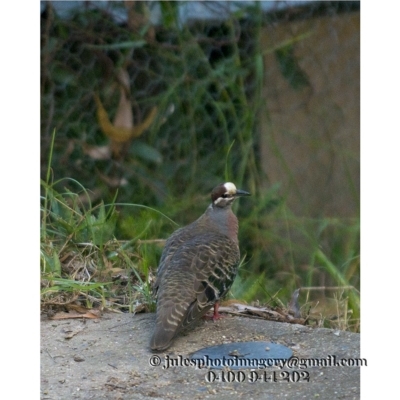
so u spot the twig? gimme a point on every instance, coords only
(329, 288)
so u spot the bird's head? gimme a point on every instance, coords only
(224, 194)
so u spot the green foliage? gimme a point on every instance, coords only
(290, 67)
(68, 219)
(80, 257)
(209, 98)
(100, 239)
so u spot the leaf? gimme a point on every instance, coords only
(146, 152)
(90, 314)
(290, 67)
(132, 44)
(97, 152)
(122, 134)
(124, 116)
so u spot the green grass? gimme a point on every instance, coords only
(83, 262)
(104, 252)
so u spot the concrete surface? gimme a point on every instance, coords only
(109, 358)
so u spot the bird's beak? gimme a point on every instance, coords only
(242, 193)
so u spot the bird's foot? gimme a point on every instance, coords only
(216, 315)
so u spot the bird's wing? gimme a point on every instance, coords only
(194, 277)
(171, 245)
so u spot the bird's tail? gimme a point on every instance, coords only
(161, 338)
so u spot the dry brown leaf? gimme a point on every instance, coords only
(76, 307)
(65, 315)
(124, 116)
(118, 135)
(90, 314)
(121, 134)
(97, 152)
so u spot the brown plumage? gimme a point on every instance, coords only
(197, 267)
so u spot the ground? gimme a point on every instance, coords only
(109, 358)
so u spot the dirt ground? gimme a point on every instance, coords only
(109, 358)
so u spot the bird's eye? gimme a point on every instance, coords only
(225, 195)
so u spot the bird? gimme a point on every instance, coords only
(197, 267)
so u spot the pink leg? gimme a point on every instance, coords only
(216, 316)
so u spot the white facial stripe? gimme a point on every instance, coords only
(227, 200)
(218, 200)
(230, 187)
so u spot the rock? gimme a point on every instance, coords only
(117, 361)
